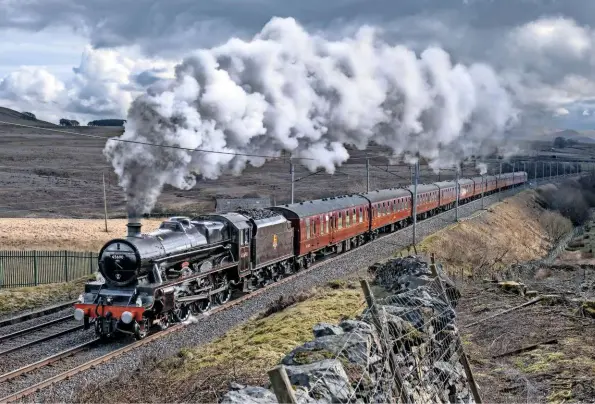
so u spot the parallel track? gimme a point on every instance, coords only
(34, 328)
(35, 314)
(105, 358)
(42, 339)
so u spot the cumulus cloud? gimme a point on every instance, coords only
(31, 84)
(103, 85)
(561, 112)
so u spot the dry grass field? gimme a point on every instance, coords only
(515, 230)
(63, 234)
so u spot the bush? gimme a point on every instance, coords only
(29, 116)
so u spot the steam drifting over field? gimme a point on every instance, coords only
(288, 90)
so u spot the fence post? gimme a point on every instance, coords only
(281, 385)
(90, 263)
(65, 266)
(392, 361)
(35, 269)
(463, 358)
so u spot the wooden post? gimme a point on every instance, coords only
(35, 268)
(104, 202)
(90, 263)
(65, 266)
(392, 361)
(463, 357)
(281, 385)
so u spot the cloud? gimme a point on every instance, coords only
(542, 49)
(586, 112)
(103, 85)
(30, 84)
(561, 112)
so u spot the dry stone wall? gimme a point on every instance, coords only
(405, 347)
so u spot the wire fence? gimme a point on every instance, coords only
(32, 268)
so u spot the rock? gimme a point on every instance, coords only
(326, 381)
(588, 308)
(249, 394)
(354, 325)
(324, 329)
(236, 386)
(353, 346)
(513, 287)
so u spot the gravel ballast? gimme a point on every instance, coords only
(212, 326)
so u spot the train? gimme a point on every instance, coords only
(152, 280)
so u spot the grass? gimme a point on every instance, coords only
(18, 299)
(509, 232)
(63, 234)
(264, 342)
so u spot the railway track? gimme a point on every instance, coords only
(38, 313)
(12, 342)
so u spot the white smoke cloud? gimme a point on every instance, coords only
(287, 90)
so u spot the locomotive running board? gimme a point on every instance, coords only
(187, 299)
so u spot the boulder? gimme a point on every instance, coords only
(249, 394)
(326, 381)
(355, 325)
(353, 346)
(324, 329)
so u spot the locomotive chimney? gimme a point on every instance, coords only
(133, 223)
(133, 229)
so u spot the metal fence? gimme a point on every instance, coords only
(32, 268)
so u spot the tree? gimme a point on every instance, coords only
(74, 123)
(65, 122)
(29, 116)
(560, 142)
(107, 122)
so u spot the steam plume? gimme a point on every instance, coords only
(288, 90)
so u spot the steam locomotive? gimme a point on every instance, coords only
(188, 264)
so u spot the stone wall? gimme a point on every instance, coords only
(405, 348)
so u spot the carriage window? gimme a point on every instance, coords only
(354, 218)
(313, 227)
(307, 228)
(347, 219)
(321, 224)
(326, 222)
(361, 215)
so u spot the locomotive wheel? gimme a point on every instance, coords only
(223, 296)
(142, 330)
(181, 313)
(201, 306)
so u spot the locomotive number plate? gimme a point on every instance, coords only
(118, 256)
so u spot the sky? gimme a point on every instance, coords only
(90, 60)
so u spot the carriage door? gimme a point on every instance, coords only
(244, 246)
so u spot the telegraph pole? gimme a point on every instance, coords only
(367, 175)
(415, 201)
(482, 189)
(525, 170)
(535, 172)
(104, 201)
(458, 188)
(499, 188)
(292, 171)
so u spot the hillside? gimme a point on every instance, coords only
(15, 117)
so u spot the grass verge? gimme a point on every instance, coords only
(18, 299)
